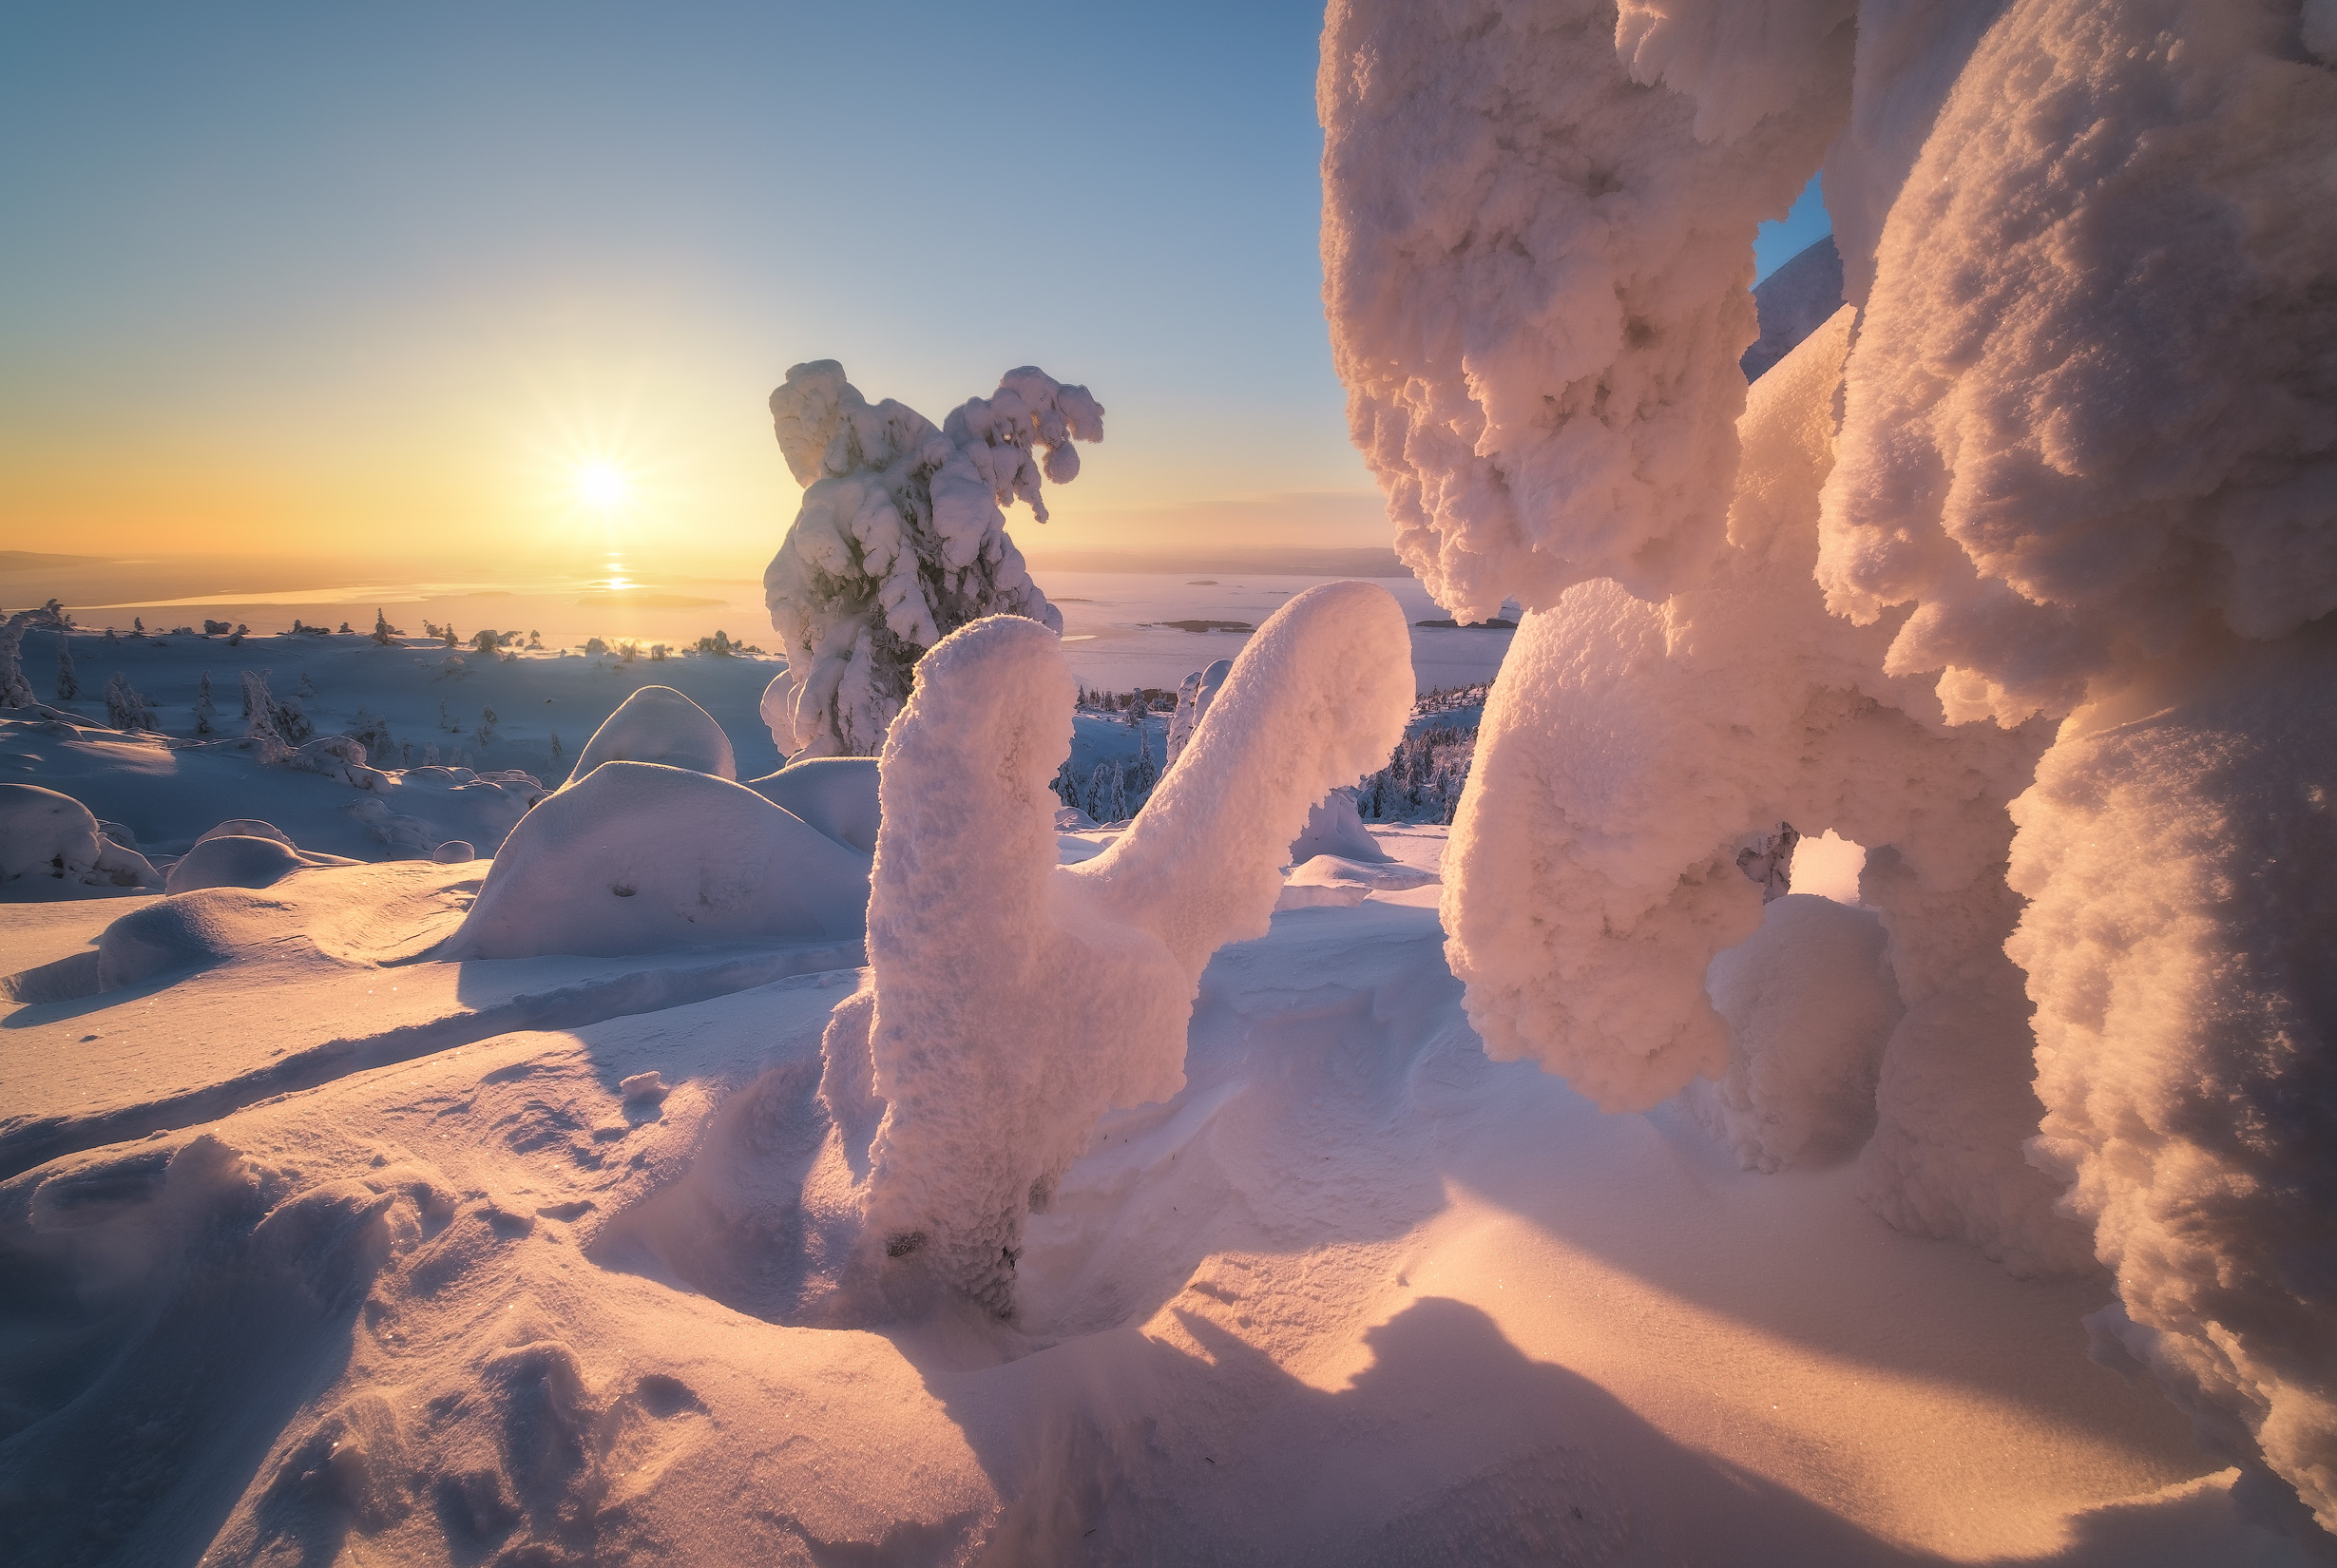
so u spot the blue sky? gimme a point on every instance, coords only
(372, 278)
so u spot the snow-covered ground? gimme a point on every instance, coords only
(332, 1248)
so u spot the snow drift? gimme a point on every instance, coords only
(50, 847)
(990, 1084)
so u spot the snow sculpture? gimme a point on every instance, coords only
(15, 691)
(989, 1085)
(640, 857)
(1334, 825)
(901, 539)
(1536, 273)
(49, 845)
(659, 724)
(2087, 467)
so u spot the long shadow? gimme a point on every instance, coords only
(1452, 1447)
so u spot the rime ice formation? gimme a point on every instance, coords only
(2085, 470)
(2056, 516)
(638, 857)
(1536, 273)
(659, 724)
(991, 1084)
(901, 539)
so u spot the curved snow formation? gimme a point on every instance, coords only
(659, 724)
(901, 539)
(50, 846)
(2087, 467)
(836, 794)
(990, 1083)
(640, 857)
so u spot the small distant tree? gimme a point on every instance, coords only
(450, 634)
(535, 640)
(345, 631)
(557, 751)
(595, 647)
(137, 625)
(126, 708)
(656, 653)
(205, 710)
(485, 734)
(902, 538)
(481, 641)
(305, 689)
(68, 683)
(383, 633)
(371, 731)
(718, 644)
(112, 636)
(430, 754)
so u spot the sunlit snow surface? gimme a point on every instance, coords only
(343, 1252)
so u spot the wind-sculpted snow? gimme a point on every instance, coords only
(1536, 273)
(638, 857)
(235, 860)
(901, 539)
(659, 724)
(2092, 401)
(990, 1082)
(836, 794)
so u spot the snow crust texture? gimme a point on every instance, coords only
(902, 539)
(1535, 270)
(990, 1085)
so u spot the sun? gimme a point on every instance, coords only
(601, 485)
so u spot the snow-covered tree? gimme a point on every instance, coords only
(901, 539)
(558, 752)
(139, 627)
(383, 633)
(205, 710)
(484, 641)
(305, 688)
(15, 691)
(269, 718)
(126, 708)
(450, 633)
(68, 683)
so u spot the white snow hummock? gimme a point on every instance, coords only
(638, 857)
(659, 724)
(239, 860)
(991, 1084)
(836, 794)
(901, 539)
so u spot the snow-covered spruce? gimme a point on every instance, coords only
(901, 539)
(991, 1084)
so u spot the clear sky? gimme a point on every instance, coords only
(379, 279)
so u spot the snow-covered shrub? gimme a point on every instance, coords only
(68, 681)
(638, 857)
(901, 539)
(991, 1084)
(50, 843)
(126, 708)
(659, 724)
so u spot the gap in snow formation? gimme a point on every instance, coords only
(1828, 865)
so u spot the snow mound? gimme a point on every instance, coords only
(249, 827)
(50, 847)
(1809, 1003)
(1335, 828)
(233, 860)
(1384, 874)
(454, 851)
(836, 794)
(639, 856)
(659, 724)
(991, 1084)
